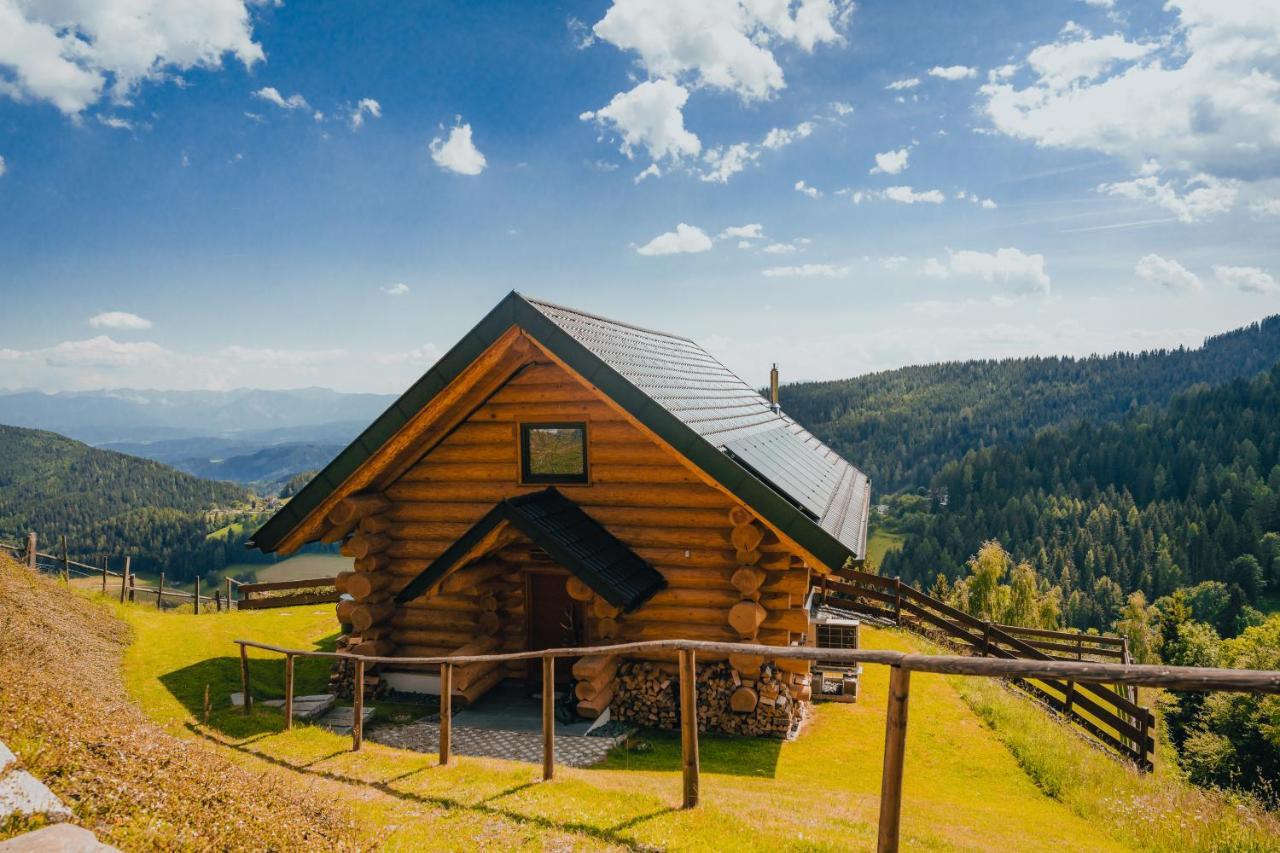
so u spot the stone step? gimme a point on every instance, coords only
(304, 707)
(340, 720)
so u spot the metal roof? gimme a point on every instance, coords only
(676, 389)
(571, 537)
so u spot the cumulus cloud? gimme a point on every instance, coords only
(1248, 279)
(754, 231)
(118, 320)
(686, 239)
(841, 108)
(1014, 269)
(902, 85)
(1167, 273)
(397, 289)
(115, 122)
(423, 356)
(781, 248)
(953, 72)
(69, 54)
(781, 137)
(456, 152)
(806, 271)
(649, 117)
(364, 107)
(272, 95)
(1202, 97)
(724, 163)
(906, 195)
(101, 351)
(726, 44)
(891, 162)
(811, 192)
(1203, 195)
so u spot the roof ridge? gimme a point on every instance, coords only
(544, 303)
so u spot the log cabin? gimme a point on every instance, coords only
(558, 479)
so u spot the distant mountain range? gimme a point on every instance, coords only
(252, 437)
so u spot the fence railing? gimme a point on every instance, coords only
(126, 581)
(902, 664)
(1109, 713)
(257, 596)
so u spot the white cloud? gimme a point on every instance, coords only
(720, 44)
(4, 167)
(891, 162)
(397, 289)
(906, 195)
(754, 231)
(894, 262)
(421, 357)
(101, 351)
(811, 192)
(649, 117)
(953, 72)
(272, 95)
(780, 248)
(842, 108)
(780, 137)
(363, 107)
(1248, 279)
(1206, 100)
(686, 239)
(115, 122)
(1013, 268)
(1262, 207)
(650, 171)
(1204, 195)
(806, 271)
(902, 85)
(118, 320)
(457, 153)
(255, 356)
(1078, 57)
(1167, 273)
(727, 162)
(69, 53)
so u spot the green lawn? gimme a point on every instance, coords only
(881, 542)
(965, 789)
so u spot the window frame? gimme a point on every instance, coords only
(529, 477)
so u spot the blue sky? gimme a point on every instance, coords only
(324, 193)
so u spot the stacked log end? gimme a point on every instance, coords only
(597, 683)
(646, 694)
(358, 521)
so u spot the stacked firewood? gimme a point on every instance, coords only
(648, 695)
(342, 676)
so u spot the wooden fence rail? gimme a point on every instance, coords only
(319, 591)
(1109, 713)
(902, 664)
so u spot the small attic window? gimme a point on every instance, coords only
(553, 453)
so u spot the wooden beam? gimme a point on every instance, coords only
(689, 726)
(895, 741)
(446, 711)
(548, 718)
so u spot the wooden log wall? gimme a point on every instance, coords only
(729, 579)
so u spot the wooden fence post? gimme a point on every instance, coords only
(244, 679)
(133, 588)
(357, 711)
(446, 711)
(66, 564)
(31, 550)
(895, 741)
(689, 725)
(228, 593)
(288, 693)
(160, 592)
(217, 599)
(124, 581)
(104, 575)
(548, 718)
(197, 598)
(897, 600)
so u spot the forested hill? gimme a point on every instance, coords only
(107, 502)
(902, 426)
(1165, 498)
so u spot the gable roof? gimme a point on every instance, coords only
(571, 537)
(678, 391)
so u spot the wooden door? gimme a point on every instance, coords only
(554, 620)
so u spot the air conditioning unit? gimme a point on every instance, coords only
(834, 681)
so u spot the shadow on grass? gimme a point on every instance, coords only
(221, 675)
(659, 750)
(486, 806)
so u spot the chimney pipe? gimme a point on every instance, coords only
(773, 387)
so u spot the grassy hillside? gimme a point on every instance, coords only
(110, 503)
(902, 426)
(972, 782)
(65, 713)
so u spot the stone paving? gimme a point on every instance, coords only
(424, 736)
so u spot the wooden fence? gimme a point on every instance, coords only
(124, 580)
(1082, 673)
(256, 596)
(1110, 713)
